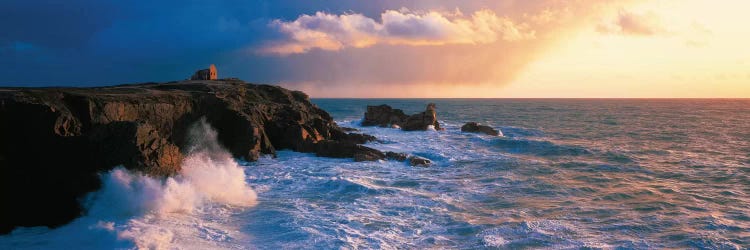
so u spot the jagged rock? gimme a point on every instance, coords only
(419, 161)
(369, 155)
(55, 141)
(385, 116)
(396, 156)
(347, 149)
(423, 120)
(352, 137)
(474, 127)
(413, 160)
(134, 144)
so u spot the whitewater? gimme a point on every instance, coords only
(633, 174)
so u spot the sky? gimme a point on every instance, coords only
(389, 48)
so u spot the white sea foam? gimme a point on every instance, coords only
(134, 210)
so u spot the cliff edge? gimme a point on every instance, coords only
(55, 141)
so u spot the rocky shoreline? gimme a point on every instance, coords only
(56, 141)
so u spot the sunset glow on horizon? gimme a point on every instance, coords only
(398, 49)
(673, 50)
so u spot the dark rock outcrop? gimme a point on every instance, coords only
(422, 120)
(385, 116)
(347, 149)
(474, 127)
(413, 160)
(55, 141)
(396, 156)
(419, 161)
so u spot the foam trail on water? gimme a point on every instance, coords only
(134, 210)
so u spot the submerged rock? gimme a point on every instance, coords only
(419, 161)
(474, 127)
(55, 141)
(385, 116)
(413, 160)
(347, 149)
(396, 156)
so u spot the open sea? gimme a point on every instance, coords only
(568, 174)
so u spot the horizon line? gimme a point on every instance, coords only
(569, 98)
(104, 85)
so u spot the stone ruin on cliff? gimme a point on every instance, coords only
(206, 74)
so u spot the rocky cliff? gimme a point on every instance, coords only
(55, 141)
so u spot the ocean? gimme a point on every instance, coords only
(567, 174)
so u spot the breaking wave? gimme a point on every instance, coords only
(133, 210)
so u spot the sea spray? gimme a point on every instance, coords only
(212, 170)
(135, 210)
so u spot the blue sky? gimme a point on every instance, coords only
(82, 42)
(85, 43)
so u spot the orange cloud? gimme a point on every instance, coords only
(352, 55)
(397, 27)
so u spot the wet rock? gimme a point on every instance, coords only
(385, 116)
(343, 149)
(352, 137)
(396, 156)
(422, 121)
(413, 160)
(419, 161)
(369, 155)
(474, 127)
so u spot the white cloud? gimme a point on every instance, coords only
(634, 24)
(397, 27)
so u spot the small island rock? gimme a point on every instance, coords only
(385, 116)
(474, 127)
(419, 161)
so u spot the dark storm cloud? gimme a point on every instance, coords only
(53, 24)
(87, 42)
